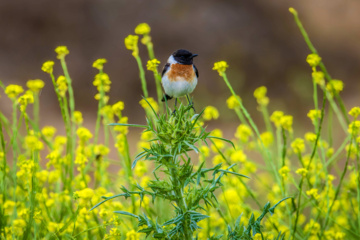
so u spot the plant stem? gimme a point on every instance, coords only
(142, 76)
(72, 109)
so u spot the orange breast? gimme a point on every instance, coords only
(181, 71)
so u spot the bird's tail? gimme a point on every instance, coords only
(166, 97)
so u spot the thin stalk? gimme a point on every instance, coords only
(4, 192)
(266, 116)
(72, 109)
(142, 76)
(36, 109)
(321, 65)
(158, 88)
(150, 48)
(337, 191)
(308, 166)
(100, 106)
(253, 125)
(240, 115)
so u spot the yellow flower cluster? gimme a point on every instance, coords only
(313, 193)
(354, 112)
(12, 91)
(78, 118)
(302, 171)
(25, 99)
(62, 85)
(131, 43)
(314, 115)
(243, 132)
(35, 85)
(102, 81)
(221, 67)
(267, 138)
(232, 102)
(298, 145)
(319, 78)
(260, 95)
(142, 29)
(61, 51)
(313, 59)
(335, 86)
(354, 127)
(48, 67)
(145, 104)
(99, 63)
(210, 113)
(284, 171)
(117, 108)
(152, 65)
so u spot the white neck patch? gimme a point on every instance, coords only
(171, 60)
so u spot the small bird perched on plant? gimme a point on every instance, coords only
(179, 76)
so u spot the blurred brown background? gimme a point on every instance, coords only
(259, 40)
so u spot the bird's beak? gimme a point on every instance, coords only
(194, 55)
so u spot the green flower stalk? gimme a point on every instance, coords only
(131, 43)
(62, 51)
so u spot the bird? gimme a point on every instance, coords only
(179, 76)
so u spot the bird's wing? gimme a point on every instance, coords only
(196, 71)
(166, 67)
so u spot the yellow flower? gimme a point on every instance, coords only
(131, 42)
(115, 232)
(310, 137)
(151, 101)
(33, 143)
(221, 67)
(205, 150)
(210, 112)
(19, 226)
(314, 115)
(35, 85)
(62, 85)
(284, 171)
(25, 99)
(13, 90)
(319, 77)
(48, 66)
(61, 51)
(152, 65)
(118, 107)
(122, 129)
(276, 117)
(355, 112)
(48, 131)
(354, 128)
(86, 193)
(243, 132)
(335, 86)
(78, 118)
(238, 156)
(105, 99)
(102, 81)
(313, 193)
(132, 235)
(302, 171)
(267, 138)
(232, 102)
(260, 95)
(142, 29)
(99, 63)
(298, 145)
(286, 122)
(84, 134)
(313, 59)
